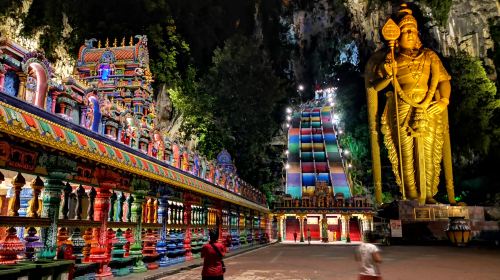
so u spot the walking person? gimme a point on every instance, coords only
(212, 254)
(295, 236)
(369, 256)
(308, 236)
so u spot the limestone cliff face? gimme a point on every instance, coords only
(467, 28)
(337, 23)
(11, 25)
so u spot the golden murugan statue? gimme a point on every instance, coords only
(415, 119)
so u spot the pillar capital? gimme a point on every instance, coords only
(346, 216)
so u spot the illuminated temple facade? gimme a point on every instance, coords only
(88, 179)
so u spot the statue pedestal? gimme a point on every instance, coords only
(426, 223)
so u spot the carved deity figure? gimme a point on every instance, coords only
(31, 86)
(211, 172)
(185, 159)
(217, 176)
(176, 155)
(196, 164)
(414, 123)
(89, 117)
(203, 164)
(158, 146)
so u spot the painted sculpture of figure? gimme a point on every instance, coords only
(185, 159)
(415, 119)
(176, 162)
(217, 176)
(196, 165)
(158, 148)
(211, 172)
(31, 86)
(223, 179)
(203, 163)
(237, 185)
(89, 117)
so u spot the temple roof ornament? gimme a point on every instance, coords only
(225, 162)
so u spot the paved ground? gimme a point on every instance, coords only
(290, 261)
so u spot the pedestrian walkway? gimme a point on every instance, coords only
(297, 262)
(177, 268)
(317, 242)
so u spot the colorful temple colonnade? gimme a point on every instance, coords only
(87, 179)
(318, 196)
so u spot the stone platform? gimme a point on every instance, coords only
(428, 222)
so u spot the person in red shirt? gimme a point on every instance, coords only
(212, 254)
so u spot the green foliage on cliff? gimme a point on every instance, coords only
(474, 128)
(473, 108)
(440, 9)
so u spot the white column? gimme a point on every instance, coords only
(343, 233)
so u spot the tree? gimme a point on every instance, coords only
(236, 107)
(474, 128)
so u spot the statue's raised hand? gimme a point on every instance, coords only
(388, 65)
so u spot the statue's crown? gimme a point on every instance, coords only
(408, 17)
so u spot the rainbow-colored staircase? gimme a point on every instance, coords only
(313, 153)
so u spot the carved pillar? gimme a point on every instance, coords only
(54, 102)
(112, 206)
(102, 205)
(187, 236)
(369, 222)
(136, 248)
(302, 219)
(18, 182)
(162, 218)
(80, 194)
(280, 228)
(22, 86)
(130, 201)
(51, 203)
(24, 198)
(345, 227)
(67, 191)
(90, 212)
(37, 186)
(144, 212)
(155, 216)
(119, 212)
(151, 211)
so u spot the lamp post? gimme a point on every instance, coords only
(300, 89)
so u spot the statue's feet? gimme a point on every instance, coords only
(412, 195)
(430, 200)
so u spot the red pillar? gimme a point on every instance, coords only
(187, 235)
(100, 254)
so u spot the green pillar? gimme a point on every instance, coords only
(51, 203)
(136, 248)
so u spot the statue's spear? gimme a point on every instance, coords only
(391, 33)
